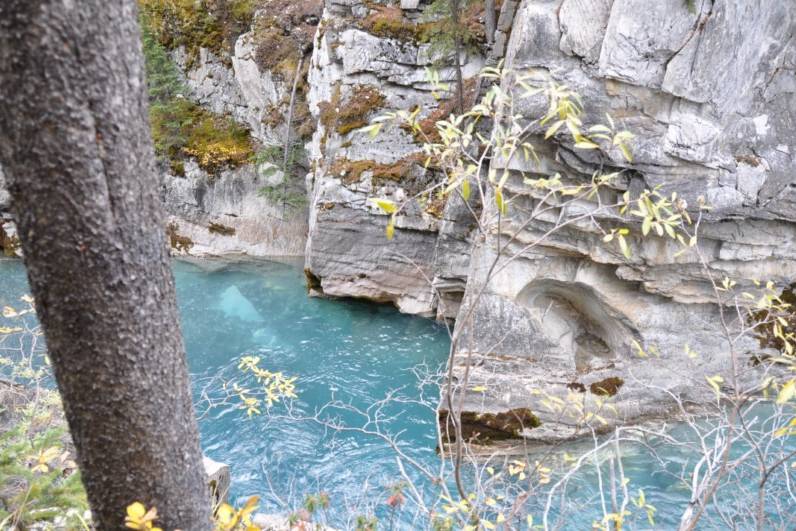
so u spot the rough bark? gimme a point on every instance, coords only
(76, 148)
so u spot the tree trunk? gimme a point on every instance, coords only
(76, 148)
(490, 22)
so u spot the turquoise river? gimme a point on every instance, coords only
(350, 354)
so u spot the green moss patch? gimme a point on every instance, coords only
(388, 21)
(181, 128)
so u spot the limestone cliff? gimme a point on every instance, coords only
(709, 94)
(250, 77)
(711, 98)
(369, 59)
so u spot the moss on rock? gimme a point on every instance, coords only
(345, 114)
(182, 128)
(607, 387)
(196, 24)
(177, 241)
(351, 171)
(489, 427)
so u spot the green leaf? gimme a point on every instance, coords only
(501, 204)
(466, 189)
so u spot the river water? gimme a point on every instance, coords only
(346, 356)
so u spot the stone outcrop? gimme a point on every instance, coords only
(711, 98)
(227, 213)
(346, 250)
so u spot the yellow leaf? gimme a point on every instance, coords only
(9, 312)
(386, 205)
(585, 144)
(787, 392)
(501, 204)
(715, 382)
(623, 245)
(225, 514)
(390, 229)
(479, 389)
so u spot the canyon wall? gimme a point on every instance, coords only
(711, 98)
(368, 61)
(250, 75)
(709, 93)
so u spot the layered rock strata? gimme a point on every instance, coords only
(711, 98)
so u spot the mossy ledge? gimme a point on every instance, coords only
(182, 128)
(607, 387)
(388, 21)
(223, 230)
(399, 172)
(484, 428)
(344, 115)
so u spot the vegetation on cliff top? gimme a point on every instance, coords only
(181, 128)
(193, 24)
(436, 28)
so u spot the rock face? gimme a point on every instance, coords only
(227, 213)
(358, 71)
(711, 98)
